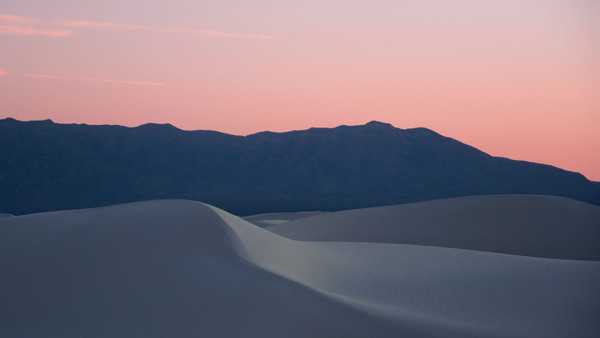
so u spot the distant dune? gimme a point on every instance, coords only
(175, 268)
(531, 225)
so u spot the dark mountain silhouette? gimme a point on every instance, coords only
(48, 166)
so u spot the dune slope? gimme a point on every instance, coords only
(531, 225)
(153, 269)
(275, 218)
(185, 269)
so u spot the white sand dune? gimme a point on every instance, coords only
(275, 218)
(185, 269)
(531, 225)
(5, 215)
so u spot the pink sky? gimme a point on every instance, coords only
(515, 78)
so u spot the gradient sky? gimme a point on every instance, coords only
(516, 78)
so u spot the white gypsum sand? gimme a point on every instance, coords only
(184, 269)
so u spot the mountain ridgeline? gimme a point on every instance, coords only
(48, 166)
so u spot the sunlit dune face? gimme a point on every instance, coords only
(515, 78)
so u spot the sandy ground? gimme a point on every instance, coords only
(529, 225)
(185, 269)
(276, 218)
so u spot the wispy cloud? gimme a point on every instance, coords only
(27, 26)
(101, 25)
(3, 72)
(97, 80)
(33, 31)
(16, 19)
(175, 30)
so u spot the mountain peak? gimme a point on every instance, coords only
(153, 125)
(379, 124)
(13, 120)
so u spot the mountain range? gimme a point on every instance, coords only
(47, 166)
